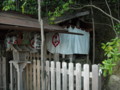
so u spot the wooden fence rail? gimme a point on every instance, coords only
(3, 73)
(62, 76)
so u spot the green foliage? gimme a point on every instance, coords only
(24, 6)
(117, 28)
(60, 10)
(113, 55)
(53, 8)
(9, 5)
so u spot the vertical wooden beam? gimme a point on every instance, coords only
(48, 75)
(88, 59)
(71, 58)
(42, 45)
(38, 74)
(4, 73)
(42, 57)
(11, 77)
(56, 57)
(34, 75)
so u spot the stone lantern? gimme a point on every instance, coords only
(19, 61)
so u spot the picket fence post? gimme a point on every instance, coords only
(58, 76)
(86, 77)
(78, 76)
(52, 76)
(63, 76)
(95, 77)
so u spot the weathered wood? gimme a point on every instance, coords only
(50, 56)
(78, 76)
(27, 77)
(4, 73)
(13, 19)
(70, 16)
(24, 80)
(31, 78)
(64, 76)
(71, 76)
(95, 78)
(14, 77)
(58, 76)
(71, 57)
(38, 74)
(86, 77)
(56, 57)
(11, 78)
(52, 76)
(42, 52)
(34, 75)
(48, 75)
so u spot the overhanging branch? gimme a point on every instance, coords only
(99, 10)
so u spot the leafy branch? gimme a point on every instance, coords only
(60, 10)
(112, 53)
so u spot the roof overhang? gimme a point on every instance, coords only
(20, 21)
(15, 21)
(69, 16)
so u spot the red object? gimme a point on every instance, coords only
(32, 43)
(56, 39)
(19, 39)
(15, 42)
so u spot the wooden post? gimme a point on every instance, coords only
(71, 58)
(11, 79)
(19, 68)
(56, 57)
(4, 73)
(42, 45)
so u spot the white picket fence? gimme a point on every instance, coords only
(3, 74)
(62, 76)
